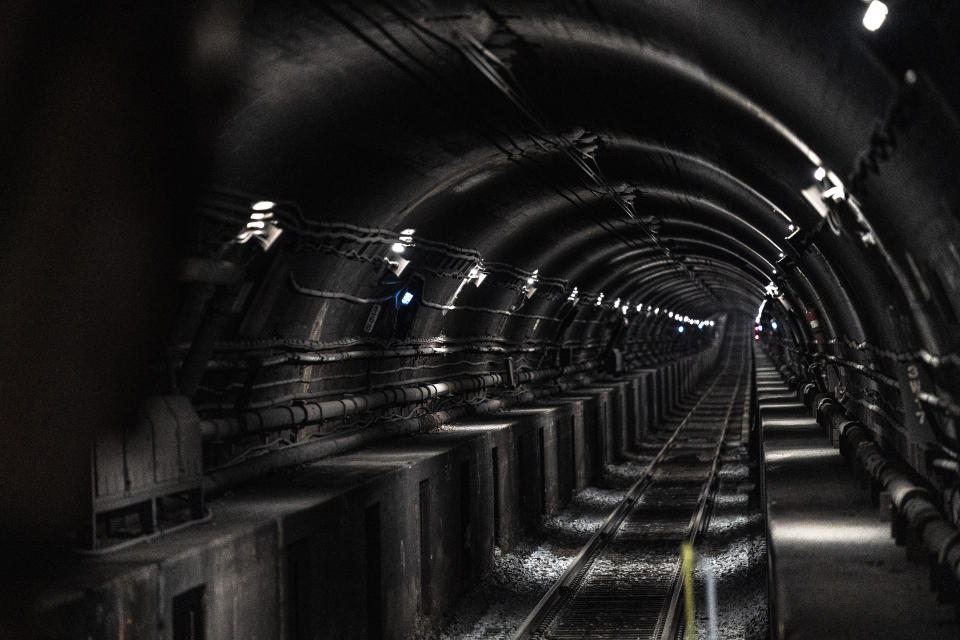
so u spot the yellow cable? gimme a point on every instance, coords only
(690, 632)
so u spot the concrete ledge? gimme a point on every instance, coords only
(373, 543)
(835, 571)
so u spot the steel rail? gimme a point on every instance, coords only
(671, 622)
(562, 590)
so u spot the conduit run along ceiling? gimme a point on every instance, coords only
(552, 169)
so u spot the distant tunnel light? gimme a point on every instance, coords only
(262, 205)
(773, 325)
(875, 15)
(406, 298)
(820, 174)
(398, 247)
(680, 328)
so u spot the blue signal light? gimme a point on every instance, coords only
(406, 298)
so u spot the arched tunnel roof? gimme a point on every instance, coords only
(377, 185)
(657, 153)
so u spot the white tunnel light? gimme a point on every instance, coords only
(397, 247)
(760, 311)
(834, 193)
(669, 314)
(680, 328)
(477, 274)
(262, 205)
(875, 15)
(820, 173)
(639, 307)
(408, 232)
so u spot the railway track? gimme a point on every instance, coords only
(626, 582)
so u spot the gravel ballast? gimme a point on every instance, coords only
(733, 546)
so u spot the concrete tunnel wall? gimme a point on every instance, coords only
(389, 535)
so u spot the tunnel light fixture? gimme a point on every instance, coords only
(679, 328)
(406, 298)
(670, 314)
(573, 297)
(656, 311)
(874, 16)
(531, 286)
(398, 247)
(814, 196)
(773, 325)
(834, 193)
(624, 309)
(820, 174)
(599, 300)
(261, 226)
(397, 264)
(477, 275)
(639, 307)
(404, 240)
(762, 305)
(616, 303)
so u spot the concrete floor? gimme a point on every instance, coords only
(836, 571)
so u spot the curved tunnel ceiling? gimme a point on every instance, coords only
(574, 173)
(655, 153)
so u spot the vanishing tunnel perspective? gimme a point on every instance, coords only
(417, 319)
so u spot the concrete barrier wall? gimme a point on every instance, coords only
(374, 543)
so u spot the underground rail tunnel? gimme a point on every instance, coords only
(362, 319)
